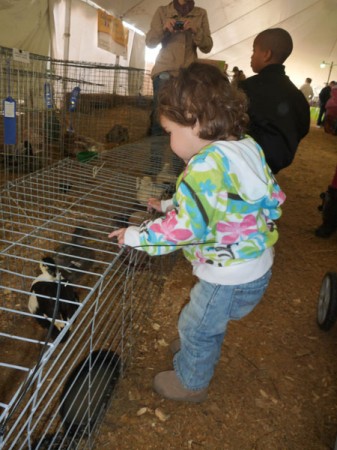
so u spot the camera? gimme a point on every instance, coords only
(179, 25)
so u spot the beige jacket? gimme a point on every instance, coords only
(178, 49)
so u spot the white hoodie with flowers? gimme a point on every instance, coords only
(222, 215)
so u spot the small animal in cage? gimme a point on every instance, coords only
(52, 298)
(22, 158)
(86, 143)
(146, 189)
(131, 216)
(118, 135)
(74, 143)
(27, 149)
(88, 389)
(69, 143)
(74, 259)
(166, 175)
(57, 441)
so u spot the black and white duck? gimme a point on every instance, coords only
(52, 298)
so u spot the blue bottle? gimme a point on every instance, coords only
(73, 98)
(48, 95)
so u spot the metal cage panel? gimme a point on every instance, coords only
(65, 107)
(48, 380)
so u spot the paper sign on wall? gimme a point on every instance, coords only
(112, 35)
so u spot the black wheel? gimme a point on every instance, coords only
(327, 302)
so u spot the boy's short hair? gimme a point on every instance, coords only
(278, 41)
(201, 92)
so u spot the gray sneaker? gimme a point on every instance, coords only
(168, 385)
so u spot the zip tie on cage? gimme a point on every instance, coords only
(96, 169)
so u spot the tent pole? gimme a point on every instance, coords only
(66, 35)
(330, 70)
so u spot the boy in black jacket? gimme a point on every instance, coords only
(278, 111)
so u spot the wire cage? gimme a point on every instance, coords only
(54, 108)
(55, 390)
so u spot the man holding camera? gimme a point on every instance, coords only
(181, 28)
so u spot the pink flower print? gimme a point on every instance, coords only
(168, 228)
(200, 257)
(279, 196)
(233, 230)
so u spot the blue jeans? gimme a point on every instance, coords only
(202, 326)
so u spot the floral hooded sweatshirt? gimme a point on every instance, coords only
(222, 215)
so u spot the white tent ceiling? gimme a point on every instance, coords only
(32, 25)
(235, 23)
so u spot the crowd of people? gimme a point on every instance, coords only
(233, 134)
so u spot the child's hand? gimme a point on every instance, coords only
(154, 203)
(119, 234)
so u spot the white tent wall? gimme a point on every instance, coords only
(24, 25)
(62, 29)
(82, 35)
(312, 25)
(234, 25)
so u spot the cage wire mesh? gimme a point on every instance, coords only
(80, 167)
(66, 107)
(54, 391)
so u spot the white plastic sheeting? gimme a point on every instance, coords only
(78, 40)
(25, 25)
(234, 24)
(62, 29)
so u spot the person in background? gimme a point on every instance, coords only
(306, 90)
(329, 210)
(222, 216)
(279, 114)
(324, 96)
(330, 122)
(238, 75)
(181, 28)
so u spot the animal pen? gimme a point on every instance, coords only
(54, 108)
(70, 176)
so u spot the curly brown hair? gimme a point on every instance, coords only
(201, 92)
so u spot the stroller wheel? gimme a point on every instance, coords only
(327, 302)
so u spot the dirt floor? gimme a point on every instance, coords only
(275, 387)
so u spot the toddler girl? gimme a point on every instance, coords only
(222, 216)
